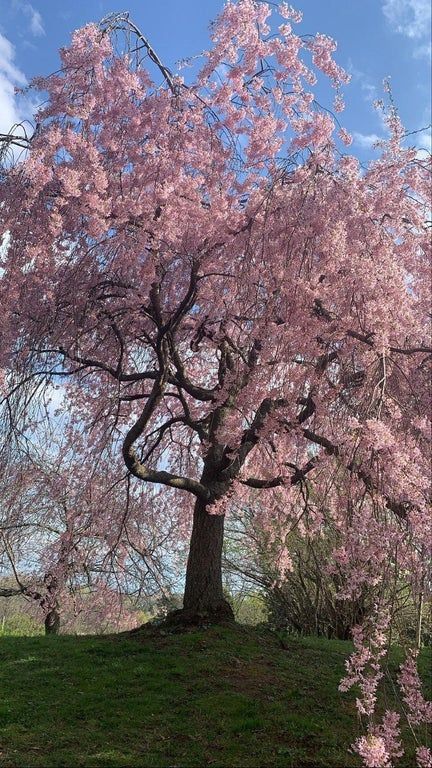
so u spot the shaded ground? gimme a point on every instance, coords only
(217, 697)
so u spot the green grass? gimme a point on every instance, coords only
(219, 697)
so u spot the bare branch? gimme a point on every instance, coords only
(298, 476)
(116, 22)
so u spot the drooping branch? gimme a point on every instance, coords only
(19, 137)
(297, 477)
(399, 508)
(367, 338)
(116, 22)
(138, 468)
(12, 592)
(87, 362)
(13, 140)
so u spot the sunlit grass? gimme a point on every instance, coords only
(221, 697)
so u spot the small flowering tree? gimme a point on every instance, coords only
(73, 545)
(236, 305)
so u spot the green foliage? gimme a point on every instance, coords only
(250, 609)
(248, 605)
(20, 624)
(222, 697)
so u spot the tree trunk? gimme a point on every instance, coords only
(203, 589)
(52, 622)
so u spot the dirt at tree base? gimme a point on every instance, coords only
(186, 619)
(189, 617)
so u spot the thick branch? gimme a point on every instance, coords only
(199, 393)
(251, 436)
(137, 468)
(275, 482)
(368, 339)
(12, 592)
(88, 362)
(167, 478)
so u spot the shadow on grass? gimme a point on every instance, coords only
(222, 697)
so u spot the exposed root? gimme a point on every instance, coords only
(190, 617)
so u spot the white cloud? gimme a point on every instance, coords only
(369, 89)
(423, 51)
(10, 77)
(36, 24)
(34, 17)
(366, 140)
(422, 137)
(425, 141)
(411, 18)
(16, 109)
(7, 55)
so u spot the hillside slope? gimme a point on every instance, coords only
(228, 697)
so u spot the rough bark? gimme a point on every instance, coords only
(203, 589)
(52, 622)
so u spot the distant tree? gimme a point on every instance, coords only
(72, 544)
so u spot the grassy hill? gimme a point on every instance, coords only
(218, 697)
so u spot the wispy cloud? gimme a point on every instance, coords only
(10, 77)
(423, 51)
(368, 88)
(422, 137)
(33, 16)
(16, 108)
(36, 24)
(366, 140)
(425, 141)
(411, 18)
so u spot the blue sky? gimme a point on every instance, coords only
(376, 38)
